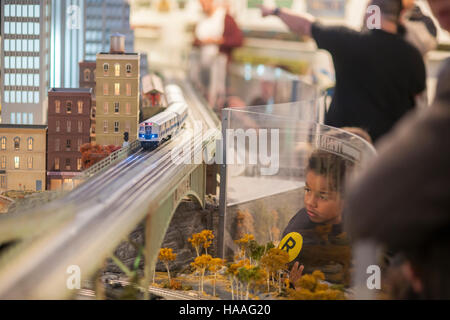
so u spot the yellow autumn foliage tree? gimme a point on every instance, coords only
(165, 256)
(243, 243)
(274, 261)
(201, 263)
(201, 239)
(215, 265)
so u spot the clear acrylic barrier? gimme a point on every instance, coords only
(241, 85)
(285, 185)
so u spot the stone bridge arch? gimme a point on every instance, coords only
(159, 217)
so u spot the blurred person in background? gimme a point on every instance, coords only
(378, 74)
(419, 28)
(403, 200)
(421, 32)
(217, 32)
(216, 35)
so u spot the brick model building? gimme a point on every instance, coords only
(87, 80)
(69, 123)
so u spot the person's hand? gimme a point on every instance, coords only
(266, 11)
(296, 273)
(213, 41)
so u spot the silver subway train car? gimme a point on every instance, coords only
(162, 126)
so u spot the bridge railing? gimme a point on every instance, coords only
(114, 157)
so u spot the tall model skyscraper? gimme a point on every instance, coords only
(25, 60)
(67, 42)
(103, 18)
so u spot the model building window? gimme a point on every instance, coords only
(128, 108)
(105, 107)
(69, 126)
(80, 106)
(16, 143)
(68, 144)
(116, 126)
(58, 126)
(105, 126)
(117, 89)
(57, 106)
(69, 106)
(30, 162)
(68, 164)
(3, 181)
(105, 89)
(128, 67)
(117, 69)
(57, 143)
(30, 144)
(3, 162)
(80, 126)
(56, 163)
(87, 74)
(116, 107)
(105, 68)
(128, 89)
(3, 143)
(79, 164)
(16, 162)
(79, 143)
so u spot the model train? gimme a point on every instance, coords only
(162, 126)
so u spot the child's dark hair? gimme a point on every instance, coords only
(330, 165)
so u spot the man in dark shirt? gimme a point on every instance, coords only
(378, 74)
(403, 200)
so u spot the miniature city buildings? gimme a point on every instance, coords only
(117, 94)
(87, 80)
(24, 65)
(152, 91)
(101, 19)
(22, 157)
(69, 124)
(67, 41)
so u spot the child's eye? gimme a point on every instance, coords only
(307, 189)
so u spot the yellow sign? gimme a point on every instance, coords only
(292, 243)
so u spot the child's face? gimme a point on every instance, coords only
(322, 204)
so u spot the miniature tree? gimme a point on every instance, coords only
(244, 275)
(202, 239)
(166, 255)
(275, 261)
(196, 242)
(207, 237)
(201, 263)
(244, 223)
(232, 272)
(215, 265)
(255, 251)
(274, 232)
(243, 243)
